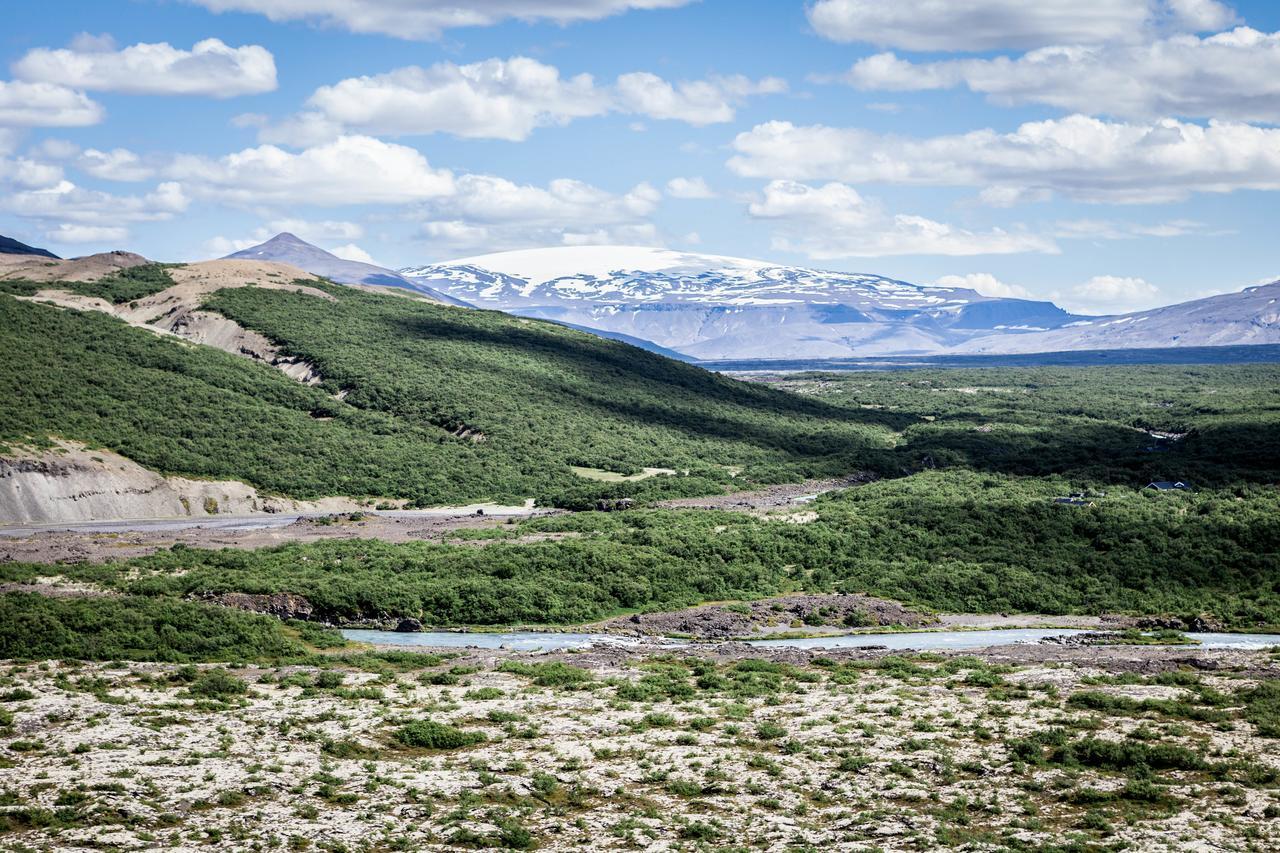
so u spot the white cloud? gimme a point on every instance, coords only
(71, 213)
(352, 252)
(348, 170)
(834, 221)
(697, 102)
(425, 19)
(1103, 229)
(1110, 294)
(70, 233)
(1079, 157)
(1232, 75)
(484, 198)
(26, 104)
(975, 25)
(986, 284)
(26, 173)
(210, 68)
(490, 213)
(314, 231)
(220, 246)
(119, 164)
(501, 99)
(689, 188)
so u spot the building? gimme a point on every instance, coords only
(1169, 485)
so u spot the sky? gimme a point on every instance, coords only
(1110, 155)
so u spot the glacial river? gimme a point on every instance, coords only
(898, 640)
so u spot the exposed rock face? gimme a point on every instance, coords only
(282, 605)
(70, 483)
(408, 626)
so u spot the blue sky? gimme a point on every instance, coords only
(1108, 154)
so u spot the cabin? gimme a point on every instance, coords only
(1169, 485)
(1074, 500)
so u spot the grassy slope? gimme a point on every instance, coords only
(544, 398)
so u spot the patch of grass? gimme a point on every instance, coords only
(550, 674)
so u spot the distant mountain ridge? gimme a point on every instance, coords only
(1250, 316)
(10, 246)
(710, 306)
(290, 249)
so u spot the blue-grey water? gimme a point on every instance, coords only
(897, 640)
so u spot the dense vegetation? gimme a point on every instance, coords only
(442, 405)
(946, 540)
(33, 626)
(1220, 424)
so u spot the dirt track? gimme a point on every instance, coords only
(770, 497)
(58, 546)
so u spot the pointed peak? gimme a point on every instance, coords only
(287, 237)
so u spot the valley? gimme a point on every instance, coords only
(602, 597)
(687, 426)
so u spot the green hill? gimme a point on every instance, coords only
(418, 401)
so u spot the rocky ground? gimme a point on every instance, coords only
(613, 749)
(808, 614)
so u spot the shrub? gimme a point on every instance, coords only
(428, 734)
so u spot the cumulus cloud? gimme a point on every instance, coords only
(210, 68)
(986, 284)
(71, 233)
(501, 99)
(1231, 75)
(348, 170)
(118, 164)
(75, 214)
(26, 173)
(1077, 156)
(352, 252)
(425, 19)
(976, 25)
(835, 221)
(488, 212)
(689, 188)
(697, 102)
(1111, 294)
(38, 104)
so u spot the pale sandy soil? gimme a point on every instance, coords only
(55, 546)
(814, 757)
(88, 268)
(768, 497)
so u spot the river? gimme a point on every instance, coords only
(897, 640)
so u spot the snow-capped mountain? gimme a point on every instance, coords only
(711, 306)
